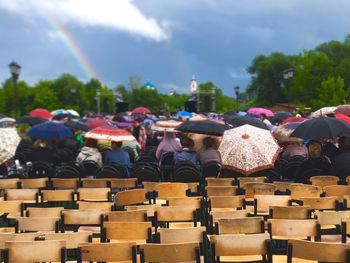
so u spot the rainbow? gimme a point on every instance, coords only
(73, 47)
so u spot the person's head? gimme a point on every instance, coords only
(208, 142)
(187, 143)
(90, 143)
(262, 116)
(314, 148)
(344, 143)
(41, 144)
(116, 145)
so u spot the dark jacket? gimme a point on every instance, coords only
(341, 164)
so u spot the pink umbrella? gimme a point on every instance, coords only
(258, 111)
(141, 110)
(343, 109)
(110, 133)
(42, 113)
(293, 119)
(93, 123)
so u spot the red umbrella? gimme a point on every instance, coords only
(94, 123)
(342, 117)
(110, 133)
(141, 110)
(293, 119)
(42, 113)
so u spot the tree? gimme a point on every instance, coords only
(44, 96)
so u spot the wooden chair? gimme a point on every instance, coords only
(34, 224)
(245, 225)
(180, 235)
(77, 218)
(214, 216)
(107, 252)
(65, 183)
(317, 251)
(220, 181)
(165, 214)
(37, 183)
(185, 201)
(103, 206)
(246, 247)
(320, 203)
(252, 189)
(304, 190)
(331, 221)
(44, 211)
(72, 239)
(6, 237)
(122, 183)
(149, 186)
(130, 197)
(282, 187)
(167, 190)
(324, 180)
(179, 252)
(346, 202)
(226, 202)
(94, 183)
(337, 190)
(27, 195)
(290, 212)
(11, 207)
(220, 190)
(127, 216)
(9, 183)
(243, 180)
(262, 203)
(127, 231)
(65, 195)
(93, 194)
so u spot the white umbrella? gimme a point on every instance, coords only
(7, 119)
(323, 111)
(9, 140)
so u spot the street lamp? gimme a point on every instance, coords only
(237, 89)
(288, 74)
(15, 70)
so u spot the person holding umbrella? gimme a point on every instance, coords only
(118, 156)
(187, 154)
(90, 152)
(341, 162)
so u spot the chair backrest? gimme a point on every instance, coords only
(123, 183)
(245, 225)
(345, 230)
(33, 183)
(149, 186)
(127, 216)
(94, 183)
(211, 169)
(304, 190)
(324, 180)
(93, 194)
(149, 208)
(107, 252)
(57, 195)
(82, 217)
(45, 251)
(332, 217)
(337, 190)
(44, 211)
(127, 231)
(90, 167)
(318, 251)
(30, 224)
(130, 197)
(6, 237)
(320, 203)
(178, 235)
(220, 181)
(7, 207)
(21, 194)
(179, 252)
(146, 173)
(186, 174)
(185, 201)
(293, 228)
(220, 190)
(252, 189)
(167, 159)
(9, 183)
(166, 190)
(262, 203)
(41, 169)
(290, 212)
(243, 180)
(175, 213)
(64, 183)
(228, 202)
(73, 239)
(103, 206)
(282, 186)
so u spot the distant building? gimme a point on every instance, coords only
(193, 85)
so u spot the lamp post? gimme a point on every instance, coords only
(237, 89)
(98, 98)
(288, 74)
(15, 70)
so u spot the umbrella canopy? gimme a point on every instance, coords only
(77, 126)
(42, 113)
(168, 126)
(281, 116)
(94, 123)
(203, 127)
(323, 111)
(237, 121)
(321, 128)
(50, 131)
(60, 116)
(141, 110)
(7, 119)
(282, 133)
(248, 149)
(30, 120)
(73, 112)
(343, 109)
(59, 111)
(184, 114)
(293, 119)
(342, 117)
(110, 134)
(9, 140)
(258, 111)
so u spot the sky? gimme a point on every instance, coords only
(165, 42)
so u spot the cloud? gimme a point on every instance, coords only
(121, 15)
(238, 73)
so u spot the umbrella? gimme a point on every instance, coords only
(230, 112)
(281, 116)
(77, 126)
(168, 126)
(73, 112)
(293, 119)
(343, 109)
(9, 140)
(7, 119)
(203, 127)
(94, 123)
(50, 131)
(42, 113)
(282, 133)
(59, 111)
(248, 149)
(184, 114)
(322, 128)
(237, 121)
(323, 111)
(342, 117)
(258, 111)
(30, 120)
(110, 134)
(60, 116)
(141, 110)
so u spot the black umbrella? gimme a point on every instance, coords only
(321, 128)
(31, 120)
(60, 116)
(203, 127)
(281, 116)
(77, 126)
(237, 121)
